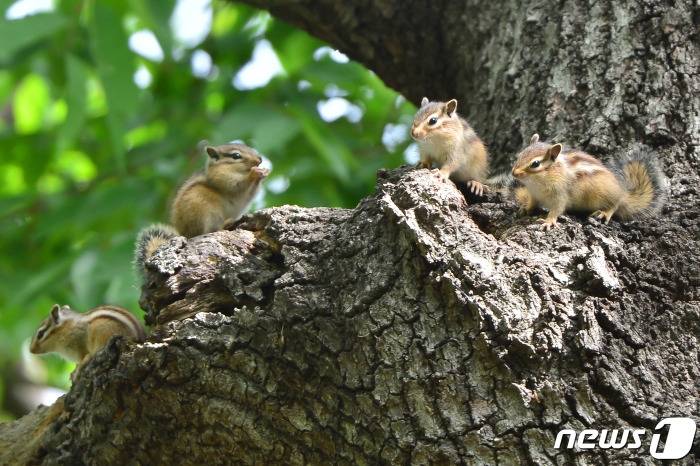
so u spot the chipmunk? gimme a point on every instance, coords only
(208, 201)
(213, 200)
(561, 179)
(78, 336)
(447, 141)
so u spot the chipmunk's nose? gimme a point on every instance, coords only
(258, 161)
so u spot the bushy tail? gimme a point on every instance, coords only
(645, 183)
(148, 240)
(501, 180)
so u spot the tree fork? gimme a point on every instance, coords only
(414, 327)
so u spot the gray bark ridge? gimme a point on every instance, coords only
(415, 328)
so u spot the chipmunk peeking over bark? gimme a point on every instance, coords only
(560, 180)
(448, 142)
(78, 336)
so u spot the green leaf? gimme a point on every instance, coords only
(338, 158)
(115, 67)
(76, 165)
(6, 85)
(82, 278)
(76, 97)
(17, 34)
(36, 283)
(11, 180)
(155, 14)
(4, 5)
(31, 102)
(296, 51)
(282, 126)
(225, 19)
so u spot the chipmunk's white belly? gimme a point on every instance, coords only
(234, 208)
(439, 154)
(545, 196)
(236, 205)
(426, 150)
(71, 354)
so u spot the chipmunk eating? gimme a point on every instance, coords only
(218, 197)
(208, 201)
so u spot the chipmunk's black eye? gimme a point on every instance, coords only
(40, 333)
(535, 164)
(235, 155)
(432, 121)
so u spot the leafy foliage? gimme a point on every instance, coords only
(89, 157)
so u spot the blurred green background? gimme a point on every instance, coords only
(103, 104)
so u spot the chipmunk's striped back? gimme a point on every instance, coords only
(77, 336)
(121, 315)
(580, 163)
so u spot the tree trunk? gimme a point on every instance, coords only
(596, 74)
(417, 327)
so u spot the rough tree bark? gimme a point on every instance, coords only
(420, 327)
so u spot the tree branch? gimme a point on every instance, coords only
(413, 328)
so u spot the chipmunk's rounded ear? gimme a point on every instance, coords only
(554, 151)
(451, 106)
(534, 139)
(55, 313)
(424, 102)
(212, 152)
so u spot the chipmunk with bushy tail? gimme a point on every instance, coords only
(446, 141)
(561, 180)
(78, 336)
(208, 201)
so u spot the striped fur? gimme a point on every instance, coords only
(207, 201)
(120, 315)
(562, 179)
(76, 336)
(446, 141)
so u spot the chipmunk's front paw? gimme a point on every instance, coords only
(259, 173)
(442, 176)
(476, 187)
(548, 223)
(423, 164)
(602, 215)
